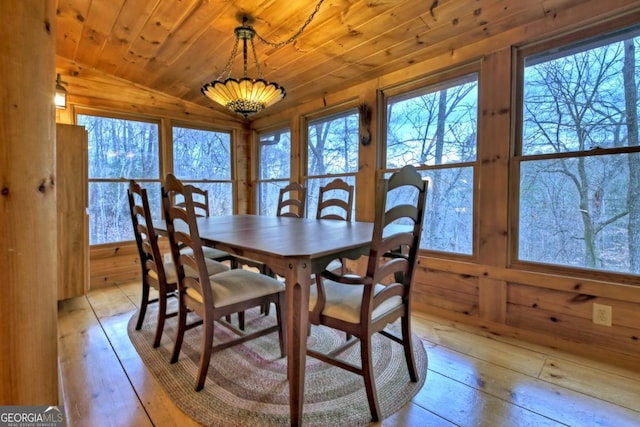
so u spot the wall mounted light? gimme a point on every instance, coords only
(61, 94)
(365, 124)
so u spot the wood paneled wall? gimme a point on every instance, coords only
(486, 290)
(551, 308)
(112, 264)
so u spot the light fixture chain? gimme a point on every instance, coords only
(226, 73)
(255, 59)
(247, 95)
(297, 34)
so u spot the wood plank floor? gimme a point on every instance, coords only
(475, 378)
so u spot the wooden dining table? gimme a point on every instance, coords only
(293, 248)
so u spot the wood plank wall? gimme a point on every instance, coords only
(550, 308)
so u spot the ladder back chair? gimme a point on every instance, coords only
(200, 201)
(213, 297)
(174, 188)
(292, 200)
(364, 305)
(335, 201)
(156, 272)
(201, 208)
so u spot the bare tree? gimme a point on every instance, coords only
(633, 197)
(572, 105)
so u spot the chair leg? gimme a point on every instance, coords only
(280, 316)
(182, 326)
(205, 355)
(407, 343)
(369, 380)
(265, 308)
(233, 264)
(264, 269)
(143, 305)
(162, 315)
(241, 320)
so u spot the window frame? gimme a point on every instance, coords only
(417, 87)
(257, 181)
(110, 114)
(165, 151)
(232, 156)
(563, 45)
(336, 111)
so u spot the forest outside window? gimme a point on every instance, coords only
(332, 152)
(203, 158)
(578, 155)
(119, 149)
(435, 129)
(274, 168)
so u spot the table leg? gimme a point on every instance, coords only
(297, 290)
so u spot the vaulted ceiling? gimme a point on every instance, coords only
(175, 46)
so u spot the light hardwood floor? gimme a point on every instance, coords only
(475, 377)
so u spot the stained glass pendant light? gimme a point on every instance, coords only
(247, 95)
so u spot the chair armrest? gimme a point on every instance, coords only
(242, 261)
(348, 279)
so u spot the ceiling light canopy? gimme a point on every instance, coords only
(247, 95)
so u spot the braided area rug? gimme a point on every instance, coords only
(247, 384)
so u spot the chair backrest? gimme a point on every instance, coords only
(182, 229)
(393, 252)
(146, 237)
(292, 200)
(335, 201)
(200, 201)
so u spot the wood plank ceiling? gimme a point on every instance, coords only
(175, 46)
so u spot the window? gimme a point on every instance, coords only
(274, 168)
(578, 155)
(203, 158)
(332, 151)
(119, 150)
(435, 129)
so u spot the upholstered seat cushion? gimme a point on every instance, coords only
(211, 253)
(344, 301)
(238, 285)
(213, 267)
(335, 266)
